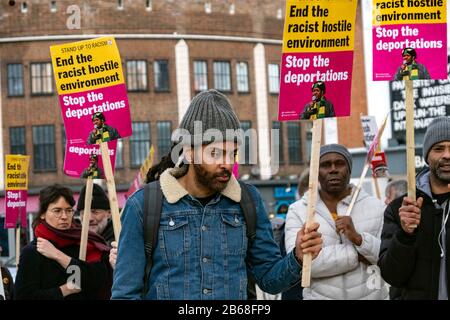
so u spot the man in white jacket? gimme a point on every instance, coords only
(346, 266)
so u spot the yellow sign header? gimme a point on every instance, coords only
(16, 173)
(86, 65)
(319, 26)
(391, 12)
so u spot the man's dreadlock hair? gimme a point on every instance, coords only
(154, 173)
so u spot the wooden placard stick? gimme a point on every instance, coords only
(377, 187)
(86, 217)
(410, 144)
(112, 194)
(17, 244)
(367, 163)
(312, 194)
(18, 230)
(357, 189)
(374, 177)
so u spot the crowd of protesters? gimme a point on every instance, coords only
(209, 243)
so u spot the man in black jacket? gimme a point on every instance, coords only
(416, 236)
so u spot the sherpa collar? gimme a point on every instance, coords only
(174, 191)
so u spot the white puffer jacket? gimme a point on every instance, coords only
(336, 273)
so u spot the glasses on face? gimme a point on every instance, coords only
(57, 212)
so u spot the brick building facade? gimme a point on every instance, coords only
(166, 47)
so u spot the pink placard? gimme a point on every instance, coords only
(428, 40)
(333, 68)
(16, 206)
(77, 110)
(77, 159)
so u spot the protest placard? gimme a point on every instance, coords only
(317, 59)
(16, 189)
(409, 39)
(92, 91)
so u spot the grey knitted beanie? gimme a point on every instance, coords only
(210, 111)
(337, 148)
(438, 130)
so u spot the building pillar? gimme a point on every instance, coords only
(331, 130)
(182, 76)
(262, 111)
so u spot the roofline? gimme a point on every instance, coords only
(174, 36)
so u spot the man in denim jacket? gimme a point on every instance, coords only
(202, 252)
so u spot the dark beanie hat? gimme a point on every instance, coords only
(409, 51)
(320, 85)
(209, 110)
(337, 148)
(438, 130)
(99, 198)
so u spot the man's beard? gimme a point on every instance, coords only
(209, 180)
(100, 227)
(443, 177)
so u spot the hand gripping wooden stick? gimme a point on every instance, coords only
(86, 218)
(312, 194)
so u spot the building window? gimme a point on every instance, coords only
(17, 140)
(245, 160)
(53, 6)
(222, 76)
(208, 7)
(139, 143)
(200, 76)
(119, 154)
(278, 144)
(294, 145)
(161, 72)
(232, 9)
(120, 4)
(44, 158)
(164, 129)
(41, 78)
(279, 13)
(148, 5)
(24, 7)
(137, 75)
(274, 78)
(15, 79)
(242, 77)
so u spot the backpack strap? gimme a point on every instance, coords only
(248, 207)
(153, 199)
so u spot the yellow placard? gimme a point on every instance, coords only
(86, 65)
(390, 12)
(319, 25)
(16, 172)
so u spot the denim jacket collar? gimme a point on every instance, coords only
(173, 191)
